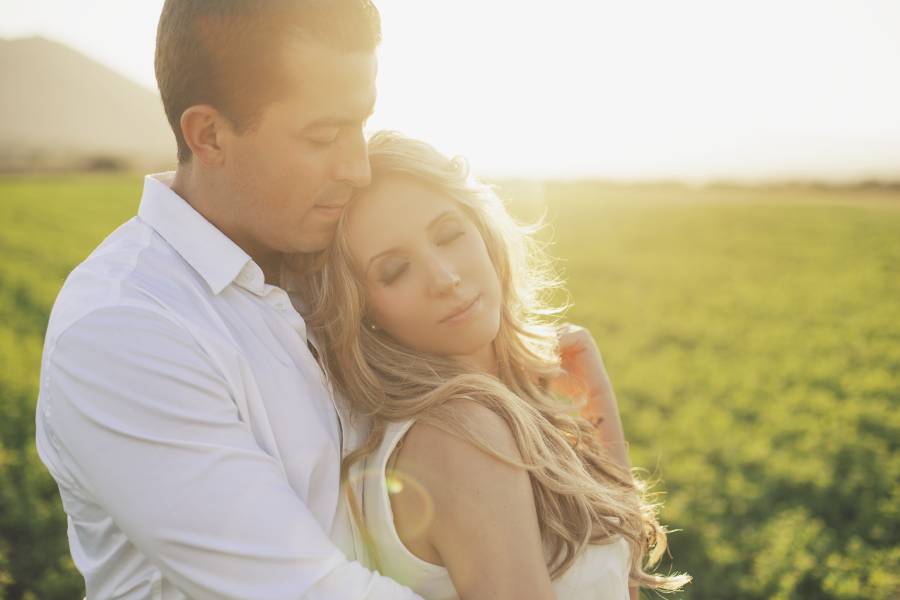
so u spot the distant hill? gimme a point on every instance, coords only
(59, 108)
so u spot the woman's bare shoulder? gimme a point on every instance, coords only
(448, 472)
(428, 446)
(481, 508)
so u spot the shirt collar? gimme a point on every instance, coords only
(209, 251)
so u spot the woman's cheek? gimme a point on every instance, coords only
(395, 311)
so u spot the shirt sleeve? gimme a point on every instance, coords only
(141, 421)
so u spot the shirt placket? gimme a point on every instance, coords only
(251, 278)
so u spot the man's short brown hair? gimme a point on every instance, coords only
(228, 53)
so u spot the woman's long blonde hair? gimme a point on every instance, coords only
(581, 496)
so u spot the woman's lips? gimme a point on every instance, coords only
(462, 312)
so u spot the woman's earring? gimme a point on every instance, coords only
(372, 326)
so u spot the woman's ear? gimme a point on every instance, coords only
(202, 126)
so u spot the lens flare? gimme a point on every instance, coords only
(408, 495)
(394, 485)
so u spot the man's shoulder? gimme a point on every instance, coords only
(132, 268)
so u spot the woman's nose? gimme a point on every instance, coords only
(444, 278)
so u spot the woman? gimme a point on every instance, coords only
(477, 479)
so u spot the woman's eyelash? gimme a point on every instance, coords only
(452, 237)
(396, 273)
(393, 275)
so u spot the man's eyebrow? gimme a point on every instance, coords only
(339, 121)
(435, 221)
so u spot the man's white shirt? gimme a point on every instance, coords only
(194, 439)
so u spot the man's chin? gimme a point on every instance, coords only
(314, 242)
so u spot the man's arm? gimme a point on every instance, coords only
(141, 420)
(584, 374)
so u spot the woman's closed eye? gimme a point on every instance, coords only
(450, 237)
(394, 270)
(392, 273)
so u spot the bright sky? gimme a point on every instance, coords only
(692, 89)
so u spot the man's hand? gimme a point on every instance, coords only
(584, 372)
(585, 377)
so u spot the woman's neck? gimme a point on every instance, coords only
(484, 360)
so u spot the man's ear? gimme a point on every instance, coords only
(203, 127)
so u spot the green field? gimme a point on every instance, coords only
(752, 335)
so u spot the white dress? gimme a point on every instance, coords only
(599, 573)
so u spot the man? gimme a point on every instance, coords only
(182, 413)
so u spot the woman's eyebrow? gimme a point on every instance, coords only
(435, 221)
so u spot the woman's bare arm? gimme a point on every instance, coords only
(484, 528)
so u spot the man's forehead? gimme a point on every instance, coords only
(311, 66)
(331, 86)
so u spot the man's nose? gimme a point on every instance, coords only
(353, 163)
